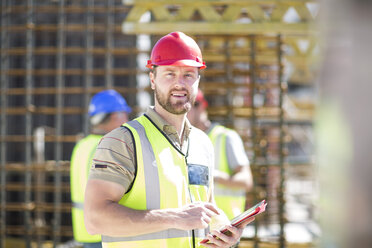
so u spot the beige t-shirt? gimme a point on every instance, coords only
(114, 159)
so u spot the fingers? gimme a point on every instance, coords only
(235, 231)
(211, 245)
(198, 215)
(249, 220)
(208, 208)
(246, 222)
(205, 220)
(212, 208)
(227, 238)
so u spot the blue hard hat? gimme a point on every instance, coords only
(107, 101)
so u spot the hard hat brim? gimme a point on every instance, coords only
(183, 62)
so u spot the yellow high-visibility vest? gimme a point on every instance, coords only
(162, 181)
(81, 160)
(231, 201)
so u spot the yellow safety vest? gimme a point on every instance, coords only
(162, 181)
(81, 160)
(231, 201)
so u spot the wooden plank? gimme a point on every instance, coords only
(310, 50)
(184, 13)
(220, 28)
(279, 12)
(47, 207)
(43, 230)
(68, 27)
(294, 45)
(245, 111)
(69, 90)
(44, 188)
(256, 12)
(293, 41)
(67, 9)
(43, 110)
(70, 72)
(209, 13)
(161, 13)
(231, 13)
(135, 2)
(303, 11)
(48, 138)
(74, 50)
(46, 167)
(136, 13)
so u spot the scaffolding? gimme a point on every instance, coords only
(55, 55)
(245, 89)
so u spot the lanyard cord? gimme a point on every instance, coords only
(186, 155)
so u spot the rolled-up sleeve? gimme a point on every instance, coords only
(114, 159)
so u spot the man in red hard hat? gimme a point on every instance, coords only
(150, 182)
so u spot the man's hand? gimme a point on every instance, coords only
(195, 216)
(226, 239)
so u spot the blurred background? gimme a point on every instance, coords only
(292, 77)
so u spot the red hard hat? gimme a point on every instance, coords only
(176, 49)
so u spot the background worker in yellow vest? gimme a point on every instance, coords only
(107, 110)
(232, 175)
(150, 185)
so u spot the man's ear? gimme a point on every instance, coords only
(152, 84)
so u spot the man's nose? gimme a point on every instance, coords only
(180, 82)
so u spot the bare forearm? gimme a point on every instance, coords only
(104, 215)
(116, 220)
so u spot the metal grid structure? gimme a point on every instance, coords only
(55, 55)
(244, 86)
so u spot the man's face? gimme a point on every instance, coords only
(175, 87)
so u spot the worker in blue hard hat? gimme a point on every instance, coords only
(107, 110)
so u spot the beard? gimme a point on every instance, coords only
(178, 108)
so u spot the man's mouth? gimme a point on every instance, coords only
(178, 94)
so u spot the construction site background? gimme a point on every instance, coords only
(263, 61)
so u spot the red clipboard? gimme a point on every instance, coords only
(241, 218)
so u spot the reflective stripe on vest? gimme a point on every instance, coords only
(80, 163)
(161, 182)
(231, 201)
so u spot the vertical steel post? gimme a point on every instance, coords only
(39, 198)
(28, 123)
(229, 78)
(109, 43)
(89, 22)
(59, 123)
(281, 142)
(3, 124)
(252, 91)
